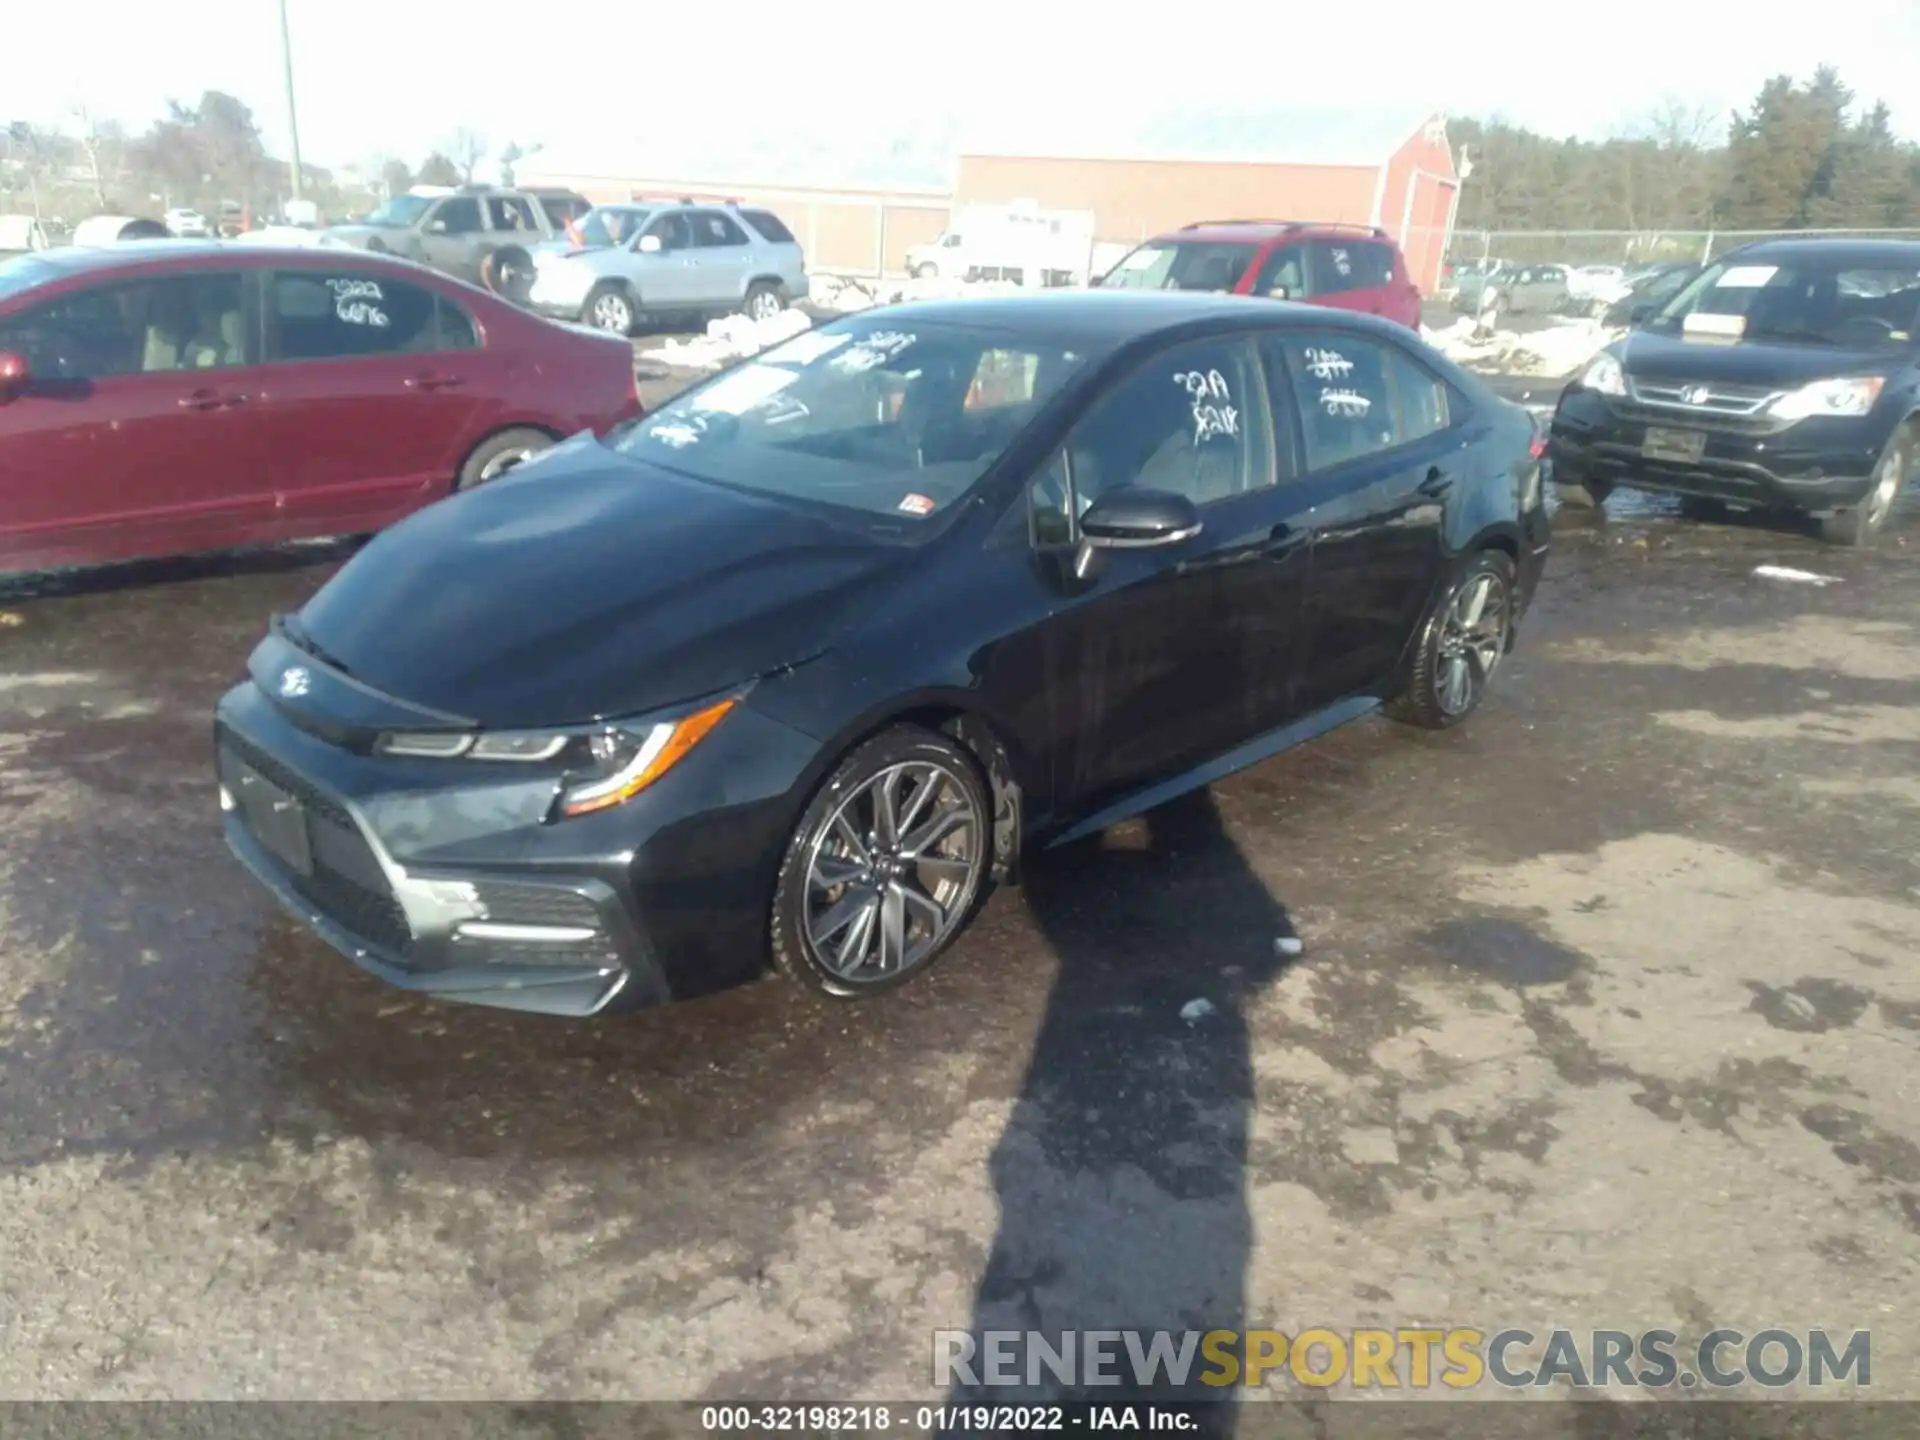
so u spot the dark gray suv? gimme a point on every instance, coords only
(479, 233)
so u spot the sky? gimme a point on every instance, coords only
(669, 83)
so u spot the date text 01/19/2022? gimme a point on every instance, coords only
(943, 1419)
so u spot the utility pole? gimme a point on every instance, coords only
(293, 119)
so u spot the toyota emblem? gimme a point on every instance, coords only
(1696, 394)
(295, 680)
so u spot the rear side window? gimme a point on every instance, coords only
(711, 229)
(317, 315)
(768, 225)
(165, 325)
(511, 212)
(1426, 405)
(1341, 385)
(1350, 265)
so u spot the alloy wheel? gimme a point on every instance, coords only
(763, 306)
(1473, 637)
(1886, 487)
(610, 312)
(892, 872)
(503, 462)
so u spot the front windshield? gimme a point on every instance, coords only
(887, 418)
(399, 212)
(1183, 265)
(607, 226)
(1812, 300)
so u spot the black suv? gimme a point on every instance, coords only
(1786, 376)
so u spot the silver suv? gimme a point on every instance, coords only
(669, 260)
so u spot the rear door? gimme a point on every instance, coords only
(374, 388)
(1357, 275)
(720, 257)
(138, 432)
(1383, 444)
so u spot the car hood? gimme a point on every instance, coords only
(1767, 364)
(590, 586)
(352, 234)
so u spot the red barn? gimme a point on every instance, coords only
(1393, 169)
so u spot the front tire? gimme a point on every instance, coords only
(1861, 524)
(611, 309)
(497, 454)
(886, 867)
(764, 300)
(1460, 646)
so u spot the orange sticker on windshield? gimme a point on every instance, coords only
(917, 505)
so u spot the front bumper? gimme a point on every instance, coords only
(443, 878)
(1816, 465)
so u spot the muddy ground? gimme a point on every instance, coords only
(1608, 1016)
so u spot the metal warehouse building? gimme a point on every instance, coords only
(1390, 169)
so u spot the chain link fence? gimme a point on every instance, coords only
(1625, 247)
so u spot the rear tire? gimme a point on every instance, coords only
(508, 273)
(497, 454)
(763, 301)
(926, 270)
(885, 869)
(1460, 645)
(1859, 525)
(1583, 494)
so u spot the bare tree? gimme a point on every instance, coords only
(467, 149)
(102, 145)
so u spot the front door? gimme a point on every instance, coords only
(1383, 450)
(370, 397)
(137, 433)
(720, 254)
(669, 276)
(452, 237)
(1157, 665)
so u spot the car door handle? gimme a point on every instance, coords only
(210, 400)
(1437, 483)
(434, 382)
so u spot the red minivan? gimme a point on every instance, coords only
(1350, 267)
(167, 397)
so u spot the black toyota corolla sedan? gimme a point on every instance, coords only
(1785, 376)
(791, 670)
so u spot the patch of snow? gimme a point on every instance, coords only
(281, 235)
(1797, 577)
(1559, 350)
(1288, 946)
(730, 338)
(1195, 1011)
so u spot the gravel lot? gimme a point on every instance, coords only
(1608, 1017)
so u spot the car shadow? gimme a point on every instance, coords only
(179, 569)
(1121, 1173)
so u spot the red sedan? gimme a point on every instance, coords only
(162, 398)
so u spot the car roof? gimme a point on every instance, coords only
(1893, 253)
(68, 261)
(1113, 316)
(1252, 231)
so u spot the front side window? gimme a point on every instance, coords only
(511, 212)
(1192, 421)
(1345, 398)
(1813, 301)
(862, 416)
(672, 231)
(458, 217)
(161, 326)
(609, 225)
(1182, 265)
(321, 315)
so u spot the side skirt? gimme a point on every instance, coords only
(1265, 747)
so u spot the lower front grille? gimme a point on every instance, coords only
(347, 884)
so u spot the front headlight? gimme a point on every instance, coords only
(1849, 397)
(602, 768)
(1604, 376)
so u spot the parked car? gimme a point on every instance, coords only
(1532, 290)
(1346, 267)
(187, 224)
(1596, 284)
(675, 260)
(116, 229)
(1473, 280)
(479, 233)
(1786, 375)
(1647, 292)
(22, 233)
(195, 395)
(791, 671)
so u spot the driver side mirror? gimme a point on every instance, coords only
(1139, 520)
(14, 374)
(649, 245)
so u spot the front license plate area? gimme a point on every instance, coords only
(1683, 447)
(278, 820)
